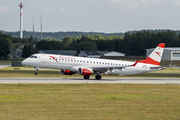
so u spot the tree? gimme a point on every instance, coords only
(28, 50)
(67, 41)
(5, 46)
(90, 46)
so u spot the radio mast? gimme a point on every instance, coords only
(21, 20)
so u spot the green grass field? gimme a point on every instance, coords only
(167, 73)
(89, 101)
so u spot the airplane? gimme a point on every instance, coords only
(70, 65)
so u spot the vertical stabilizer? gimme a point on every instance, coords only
(155, 57)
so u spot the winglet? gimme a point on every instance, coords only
(135, 63)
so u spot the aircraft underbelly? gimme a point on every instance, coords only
(125, 72)
(128, 71)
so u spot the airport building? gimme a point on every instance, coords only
(170, 53)
(98, 54)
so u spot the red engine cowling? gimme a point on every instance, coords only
(67, 72)
(85, 71)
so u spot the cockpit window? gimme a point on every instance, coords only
(33, 56)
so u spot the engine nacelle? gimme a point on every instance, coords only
(67, 72)
(85, 71)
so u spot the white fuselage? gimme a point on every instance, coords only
(72, 63)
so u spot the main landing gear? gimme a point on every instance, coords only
(37, 68)
(86, 76)
(98, 77)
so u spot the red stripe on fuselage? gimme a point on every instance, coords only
(150, 61)
(53, 58)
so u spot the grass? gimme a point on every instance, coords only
(9, 62)
(89, 101)
(167, 73)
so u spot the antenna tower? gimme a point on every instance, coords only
(41, 28)
(21, 20)
(33, 27)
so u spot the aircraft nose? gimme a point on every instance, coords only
(24, 62)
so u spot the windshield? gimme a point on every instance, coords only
(33, 56)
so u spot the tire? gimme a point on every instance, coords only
(86, 76)
(98, 77)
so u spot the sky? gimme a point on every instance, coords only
(107, 16)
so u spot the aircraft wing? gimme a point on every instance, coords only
(106, 68)
(102, 69)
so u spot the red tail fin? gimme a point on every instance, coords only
(155, 57)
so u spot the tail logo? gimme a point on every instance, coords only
(158, 54)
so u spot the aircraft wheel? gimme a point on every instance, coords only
(37, 68)
(98, 77)
(86, 76)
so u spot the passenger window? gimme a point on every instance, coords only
(62, 59)
(77, 60)
(74, 60)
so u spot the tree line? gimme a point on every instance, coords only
(60, 35)
(132, 44)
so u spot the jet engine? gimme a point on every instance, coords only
(85, 71)
(67, 72)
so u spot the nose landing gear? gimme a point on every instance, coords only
(37, 68)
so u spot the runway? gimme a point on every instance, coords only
(104, 80)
